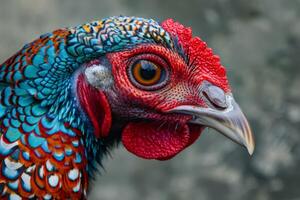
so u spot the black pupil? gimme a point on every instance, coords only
(148, 70)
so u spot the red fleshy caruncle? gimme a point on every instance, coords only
(206, 63)
(161, 141)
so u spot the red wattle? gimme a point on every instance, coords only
(96, 106)
(151, 140)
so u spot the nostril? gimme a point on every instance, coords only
(215, 96)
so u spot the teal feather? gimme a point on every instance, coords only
(35, 141)
(12, 134)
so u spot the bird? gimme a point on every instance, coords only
(72, 95)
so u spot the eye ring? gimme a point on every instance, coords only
(148, 72)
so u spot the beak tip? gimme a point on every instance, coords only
(250, 149)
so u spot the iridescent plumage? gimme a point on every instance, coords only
(45, 139)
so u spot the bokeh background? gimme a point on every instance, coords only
(259, 43)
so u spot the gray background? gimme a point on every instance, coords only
(259, 43)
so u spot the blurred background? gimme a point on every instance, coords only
(259, 43)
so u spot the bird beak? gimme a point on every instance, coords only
(230, 121)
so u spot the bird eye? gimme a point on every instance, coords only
(147, 74)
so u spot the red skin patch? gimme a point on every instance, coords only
(152, 140)
(95, 105)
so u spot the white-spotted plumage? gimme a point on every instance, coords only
(49, 166)
(13, 165)
(53, 180)
(47, 196)
(26, 181)
(77, 187)
(5, 147)
(30, 169)
(15, 197)
(73, 174)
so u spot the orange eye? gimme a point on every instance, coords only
(147, 73)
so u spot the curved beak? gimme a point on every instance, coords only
(229, 121)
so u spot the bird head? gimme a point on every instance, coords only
(158, 87)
